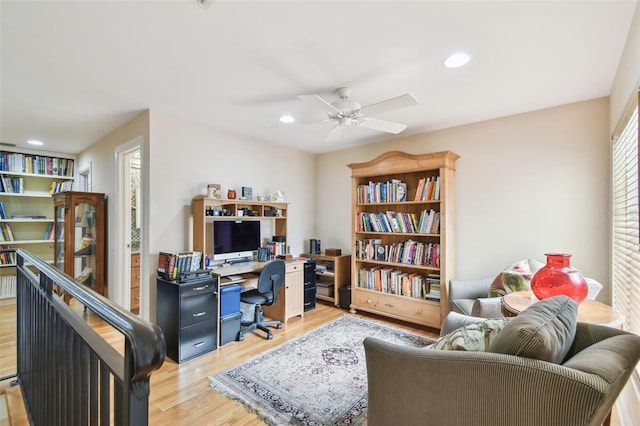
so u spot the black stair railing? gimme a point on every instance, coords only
(68, 373)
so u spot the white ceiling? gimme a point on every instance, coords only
(72, 71)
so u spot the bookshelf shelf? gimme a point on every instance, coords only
(30, 198)
(401, 272)
(271, 214)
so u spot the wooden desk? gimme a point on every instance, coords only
(290, 301)
(588, 310)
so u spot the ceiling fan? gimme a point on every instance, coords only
(347, 112)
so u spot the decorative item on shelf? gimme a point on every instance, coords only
(279, 195)
(261, 198)
(247, 193)
(213, 190)
(558, 277)
(231, 194)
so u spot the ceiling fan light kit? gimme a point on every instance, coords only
(347, 112)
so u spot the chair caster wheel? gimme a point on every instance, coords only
(269, 336)
(240, 338)
(279, 326)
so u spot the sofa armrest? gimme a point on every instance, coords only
(410, 385)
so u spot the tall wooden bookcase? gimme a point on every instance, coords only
(80, 237)
(399, 270)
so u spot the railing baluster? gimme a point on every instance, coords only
(65, 369)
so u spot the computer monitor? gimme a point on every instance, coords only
(235, 239)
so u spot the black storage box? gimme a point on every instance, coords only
(229, 327)
(345, 297)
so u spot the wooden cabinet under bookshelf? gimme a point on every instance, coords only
(332, 273)
(402, 235)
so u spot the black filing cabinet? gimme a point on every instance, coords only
(187, 314)
(310, 284)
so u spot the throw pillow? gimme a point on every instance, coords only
(544, 331)
(516, 277)
(473, 337)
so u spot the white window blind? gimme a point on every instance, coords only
(626, 236)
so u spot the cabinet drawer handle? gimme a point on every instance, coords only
(199, 314)
(197, 345)
(200, 288)
(389, 305)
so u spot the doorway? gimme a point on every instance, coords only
(130, 217)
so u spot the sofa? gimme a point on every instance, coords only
(510, 383)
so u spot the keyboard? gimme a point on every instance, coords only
(234, 277)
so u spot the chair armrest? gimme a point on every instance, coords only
(408, 385)
(469, 289)
(487, 307)
(454, 321)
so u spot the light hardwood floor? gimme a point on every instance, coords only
(180, 393)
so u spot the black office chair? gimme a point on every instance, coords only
(270, 280)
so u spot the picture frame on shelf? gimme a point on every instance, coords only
(247, 193)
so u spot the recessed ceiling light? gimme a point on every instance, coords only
(457, 60)
(287, 119)
(35, 142)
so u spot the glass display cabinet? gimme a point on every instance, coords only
(79, 245)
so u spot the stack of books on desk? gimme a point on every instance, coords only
(171, 265)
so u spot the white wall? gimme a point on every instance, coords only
(179, 160)
(627, 80)
(526, 185)
(101, 158)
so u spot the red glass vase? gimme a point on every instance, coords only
(558, 277)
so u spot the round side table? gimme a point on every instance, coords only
(588, 310)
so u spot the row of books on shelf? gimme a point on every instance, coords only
(6, 234)
(12, 185)
(36, 164)
(392, 191)
(428, 189)
(403, 222)
(409, 252)
(270, 250)
(395, 281)
(48, 233)
(7, 258)
(60, 186)
(7, 286)
(172, 264)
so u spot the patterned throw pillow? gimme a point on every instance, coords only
(515, 278)
(474, 337)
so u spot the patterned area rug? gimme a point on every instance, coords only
(319, 378)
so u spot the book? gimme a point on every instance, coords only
(3, 213)
(167, 265)
(401, 192)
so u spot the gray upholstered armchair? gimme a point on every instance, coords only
(411, 386)
(469, 297)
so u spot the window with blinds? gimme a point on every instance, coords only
(626, 236)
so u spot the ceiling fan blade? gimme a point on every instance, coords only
(381, 125)
(317, 102)
(398, 102)
(337, 133)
